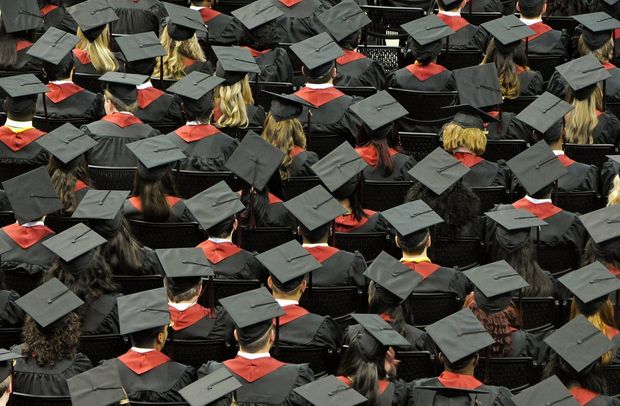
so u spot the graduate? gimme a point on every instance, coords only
(464, 32)
(330, 389)
(7, 358)
(55, 15)
(11, 315)
(17, 19)
(136, 17)
(222, 29)
(100, 386)
(604, 242)
(300, 19)
(546, 40)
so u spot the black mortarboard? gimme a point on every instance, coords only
(438, 171)
(315, 207)
(536, 167)
(411, 217)
(380, 330)
(138, 47)
(255, 160)
(330, 391)
(234, 63)
(508, 30)
(257, 13)
(459, 335)
(75, 247)
(67, 143)
(195, 85)
(378, 111)
(6, 360)
(252, 312)
(597, 28)
(515, 225)
(339, 167)
(478, 85)
(286, 107)
(155, 156)
(100, 386)
(427, 30)
(316, 51)
(183, 22)
(287, 263)
(123, 85)
(22, 85)
(603, 224)
(495, 284)
(32, 195)
(610, 2)
(143, 310)
(449, 4)
(184, 262)
(209, 388)
(550, 391)
(53, 46)
(20, 15)
(103, 209)
(392, 275)
(582, 74)
(92, 17)
(214, 205)
(49, 302)
(592, 282)
(543, 113)
(344, 19)
(469, 117)
(579, 343)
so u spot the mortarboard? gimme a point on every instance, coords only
(536, 167)
(138, 47)
(514, 227)
(100, 386)
(22, 85)
(103, 209)
(155, 156)
(426, 31)
(467, 116)
(438, 171)
(508, 30)
(344, 19)
(67, 143)
(391, 275)
(195, 85)
(543, 113)
(75, 247)
(286, 107)
(184, 262)
(6, 361)
(92, 16)
(49, 302)
(374, 335)
(378, 110)
(183, 22)
(550, 391)
(257, 13)
(495, 284)
(123, 85)
(411, 217)
(287, 263)
(339, 167)
(603, 224)
(478, 86)
(592, 282)
(214, 205)
(143, 310)
(582, 74)
(20, 15)
(53, 46)
(596, 28)
(34, 201)
(255, 160)
(449, 4)
(234, 63)
(330, 391)
(316, 51)
(315, 207)
(610, 2)
(209, 388)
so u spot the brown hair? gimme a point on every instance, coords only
(497, 324)
(506, 70)
(284, 135)
(604, 54)
(580, 122)
(54, 343)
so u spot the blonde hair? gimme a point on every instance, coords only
(455, 136)
(604, 54)
(231, 101)
(284, 135)
(601, 320)
(176, 52)
(582, 120)
(614, 193)
(101, 57)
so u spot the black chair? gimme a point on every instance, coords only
(110, 178)
(323, 144)
(490, 196)
(162, 84)
(137, 283)
(299, 184)
(228, 7)
(360, 91)
(50, 124)
(386, 21)
(197, 352)
(612, 377)
(89, 81)
(425, 106)
(190, 183)
(537, 312)
(369, 245)
(415, 365)
(514, 373)
(104, 346)
(557, 259)
(419, 145)
(390, 57)
(318, 357)
(427, 308)
(21, 281)
(458, 253)
(383, 195)
(227, 287)
(10, 337)
(561, 23)
(517, 105)
(478, 18)
(578, 202)
(545, 64)
(9, 171)
(136, 403)
(591, 154)
(239, 133)
(334, 301)
(503, 149)
(166, 235)
(6, 218)
(59, 223)
(264, 99)
(262, 239)
(23, 399)
(459, 58)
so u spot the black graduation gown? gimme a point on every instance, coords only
(464, 33)
(112, 133)
(27, 254)
(11, 315)
(275, 65)
(59, 17)
(24, 61)
(531, 83)
(484, 173)
(356, 69)
(508, 128)
(402, 164)
(609, 171)
(68, 101)
(391, 393)
(178, 212)
(302, 161)
(299, 20)
(276, 215)
(100, 316)
(607, 131)
(548, 41)
(483, 6)
(525, 344)
(587, 398)
(223, 29)
(371, 223)
(192, 65)
(155, 106)
(299, 327)
(415, 336)
(557, 84)
(137, 16)
(207, 148)
(580, 177)
(428, 78)
(152, 376)
(338, 267)
(492, 396)
(232, 262)
(439, 279)
(196, 323)
(22, 150)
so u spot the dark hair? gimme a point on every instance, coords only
(351, 41)
(20, 108)
(57, 342)
(146, 338)
(265, 36)
(64, 178)
(607, 252)
(259, 205)
(355, 197)
(414, 243)
(497, 324)
(123, 252)
(8, 50)
(592, 378)
(223, 228)
(381, 144)
(425, 54)
(60, 71)
(256, 345)
(320, 74)
(315, 235)
(457, 365)
(378, 305)
(544, 192)
(153, 194)
(530, 9)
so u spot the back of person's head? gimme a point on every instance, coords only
(506, 59)
(414, 243)
(199, 110)
(385, 303)
(604, 53)
(222, 229)
(284, 135)
(101, 57)
(607, 252)
(292, 287)
(57, 342)
(454, 137)
(265, 36)
(450, 6)
(591, 378)
(382, 140)
(614, 194)
(64, 178)
(351, 41)
(176, 52)
(426, 54)
(321, 74)
(119, 104)
(183, 289)
(231, 101)
(21, 108)
(8, 50)
(317, 235)
(498, 324)
(352, 190)
(60, 71)
(531, 9)
(579, 123)
(123, 252)
(152, 193)
(259, 344)
(142, 67)
(146, 338)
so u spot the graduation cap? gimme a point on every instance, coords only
(22, 85)
(411, 217)
(92, 16)
(507, 30)
(195, 85)
(6, 362)
(103, 210)
(514, 227)
(67, 143)
(234, 63)
(550, 391)
(252, 312)
(316, 51)
(214, 205)
(257, 13)
(592, 282)
(378, 111)
(330, 391)
(459, 335)
(32, 195)
(478, 85)
(21, 15)
(209, 388)
(340, 167)
(603, 224)
(315, 208)
(285, 106)
(392, 276)
(75, 247)
(155, 156)
(138, 47)
(123, 85)
(184, 267)
(438, 171)
(374, 335)
(582, 74)
(49, 302)
(495, 284)
(579, 343)
(536, 167)
(255, 160)
(449, 4)
(100, 386)
(596, 28)
(53, 46)
(427, 31)
(183, 22)
(467, 116)
(545, 115)
(143, 310)
(288, 263)
(344, 19)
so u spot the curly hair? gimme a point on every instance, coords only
(54, 343)
(614, 193)
(497, 324)
(455, 136)
(176, 52)
(64, 180)
(265, 36)
(284, 135)
(231, 102)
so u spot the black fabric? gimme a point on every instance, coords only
(32, 260)
(11, 315)
(207, 154)
(311, 330)
(84, 105)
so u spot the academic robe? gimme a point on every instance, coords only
(369, 223)
(152, 376)
(207, 148)
(414, 335)
(356, 69)
(197, 323)
(25, 62)
(607, 131)
(276, 215)
(557, 84)
(57, 16)
(27, 254)
(483, 6)
(100, 316)
(464, 33)
(302, 161)
(275, 65)
(402, 164)
(20, 148)
(391, 393)
(586, 397)
(112, 133)
(525, 344)
(264, 381)
(136, 16)
(223, 29)
(429, 78)
(509, 127)
(132, 208)
(82, 62)
(299, 327)
(439, 279)
(149, 264)
(546, 41)
(231, 262)
(299, 20)
(338, 267)
(68, 101)
(155, 106)
(192, 65)
(531, 82)
(11, 315)
(609, 171)
(484, 173)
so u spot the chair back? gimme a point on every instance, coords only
(415, 365)
(457, 253)
(263, 239)
(110, 178)
(6, 218)
(557, 258)
(360, 91)
(386, 21)
(227, 287)
(490, 196)
(425, 106)
(197, 352)
(427, 308)
(297, 185)
(514, 373)
(538, 312)
(323, 144)
(137, 283)
(334, 301)
(264, 99)
(369, 245)
(591, 154)
(391, 57)
(517, 105)
(503, 149)
(103, 346)
(166, 235)
(578, 202)
(545, 64)
(9, 171)
(382, 195)
(50, 124)
(24, 399)
(10, 337)
(318, 357)
(418, 145)
(459, 58)
(478, 18)
(612, 377)
(58, 224)
(191, 183)
(88, 81)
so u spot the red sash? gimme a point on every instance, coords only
(566, 161)
(121, 120)
(20, 45)
(383, 384)
(611, 332)
(273, 199)
(148, 96)
(208, 14)
(422, 72)
(187, 62)
(218, 251)
(468, 159)
(292, 313)
(582, 395)
(253, 369)
(387, 317)
(615, 271)
(191, 133)
(180, 319)
(369, 154)
(539, 28)
(424, 269)
(79, 185)
(26, 237)
(296, 151)
(348, 223)
(290, 3)
(617, 33)
(81, 56)
(454, 22)
(542, 211)
(48, 9)
(62, 92)
(135, 201)
(321, 253)
(141, 362)
(18, 141)
(256, 53)
(608, 65)
(318, 97)
(349, 56)
(452, 380)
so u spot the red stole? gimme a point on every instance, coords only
(122, 120)
(608, 65)
(273, 199)
(141, 362)
(81, 56)
(582, 395)
(180, 319)
(256, 53)
(539, 28)
(611, 332)
(369, 154)
(253, 369)
(383, 384)
(541, 210)
(318, 97)
(135, 201)
(321, 253)
(48, 9)
(452, 380)
(454, 22)
(566, 161)
(62, 92)
(424, 269)
(349, 56)
(296, 151)
(422, 72)
(20, 45)
(17, 141)
(148, 96)
(218, 251)
(191, 133)
(187, 62)
(615, 271)
(26, 237)
(79, 185)
(387, 317)
(208, 14)
(468, 159)
(348, 223)
(617, 33)
(292, 313)
(290, 3)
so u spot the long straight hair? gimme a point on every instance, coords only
(176, 52)
(580, 123)
(101, 57)
(284, 135)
